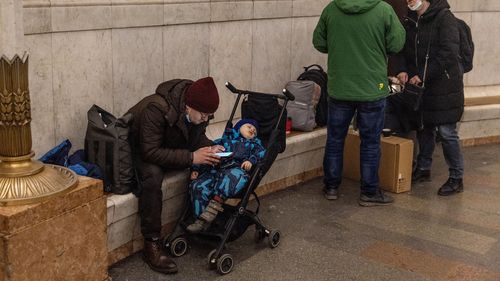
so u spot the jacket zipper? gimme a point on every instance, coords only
(416, 43)
(447, 75)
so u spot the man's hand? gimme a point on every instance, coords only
(247, 165)
(217, 148)
(205, 155)
(402, 77)
(415, 80)
(194, 175)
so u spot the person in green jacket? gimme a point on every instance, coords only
(358, 36)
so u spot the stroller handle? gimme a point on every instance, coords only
(286, 95)
(289, 95)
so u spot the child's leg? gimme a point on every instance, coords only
(230, 182)
(201, 192)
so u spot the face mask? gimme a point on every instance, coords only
(417, 6)
(187, 118)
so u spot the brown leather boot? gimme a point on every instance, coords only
(155, 257)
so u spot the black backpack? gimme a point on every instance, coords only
(316, 74)
(107, 146)
(466, 52)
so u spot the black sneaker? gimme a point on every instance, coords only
(378, 199)
(451, 186)
(420, 175)
(331, 193)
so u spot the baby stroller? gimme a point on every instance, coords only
(234, 220)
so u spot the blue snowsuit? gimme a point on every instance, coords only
(228, 178)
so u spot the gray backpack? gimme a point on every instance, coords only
(107, 145)
(302, 110)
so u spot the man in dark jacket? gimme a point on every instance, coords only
(168, 132)
(431, 28)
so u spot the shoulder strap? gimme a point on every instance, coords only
(306, 68)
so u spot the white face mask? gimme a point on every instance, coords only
(417, 6)
(188, 118)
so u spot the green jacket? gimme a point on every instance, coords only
(358, 35)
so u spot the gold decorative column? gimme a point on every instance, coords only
(23, 180)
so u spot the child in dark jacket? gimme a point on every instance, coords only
(210, 185)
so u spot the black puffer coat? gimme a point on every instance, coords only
(443, 100)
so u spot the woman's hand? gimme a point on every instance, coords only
(415, 80)
(247, 165)
(402, 77)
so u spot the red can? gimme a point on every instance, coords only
(288, 127)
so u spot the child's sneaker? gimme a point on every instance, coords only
(197, 226)
(211, 211)
(206, 218)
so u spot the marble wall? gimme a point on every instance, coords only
(113, 52)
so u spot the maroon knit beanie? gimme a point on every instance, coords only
(202, 96)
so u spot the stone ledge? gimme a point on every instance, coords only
(480, 122)
(487, 100)
(300, 162)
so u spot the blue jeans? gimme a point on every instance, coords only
(451, 148)
(370, 118)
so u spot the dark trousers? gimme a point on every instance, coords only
(450, 143)
(370, 118)
(151, 198)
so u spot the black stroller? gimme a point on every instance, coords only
(234, 220)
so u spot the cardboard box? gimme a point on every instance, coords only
(395, 162)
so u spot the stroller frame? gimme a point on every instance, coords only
(177, 243)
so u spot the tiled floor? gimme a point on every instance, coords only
(421, 237)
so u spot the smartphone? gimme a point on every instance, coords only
(224, 154)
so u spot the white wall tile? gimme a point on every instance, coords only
(137, 65)
(185, 51)
(136, 15)
(37, 20)
(82, 77)
(302, 50)
(78, 18)
(186, 13)
(271, 55)
(41, 92)
(230, 60)
(486, 57)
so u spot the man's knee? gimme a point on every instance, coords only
(151, 176)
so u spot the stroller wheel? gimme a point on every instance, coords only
(225, 264)
(274, 238)
(211, 259)
(259, 235)
(178, 247)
